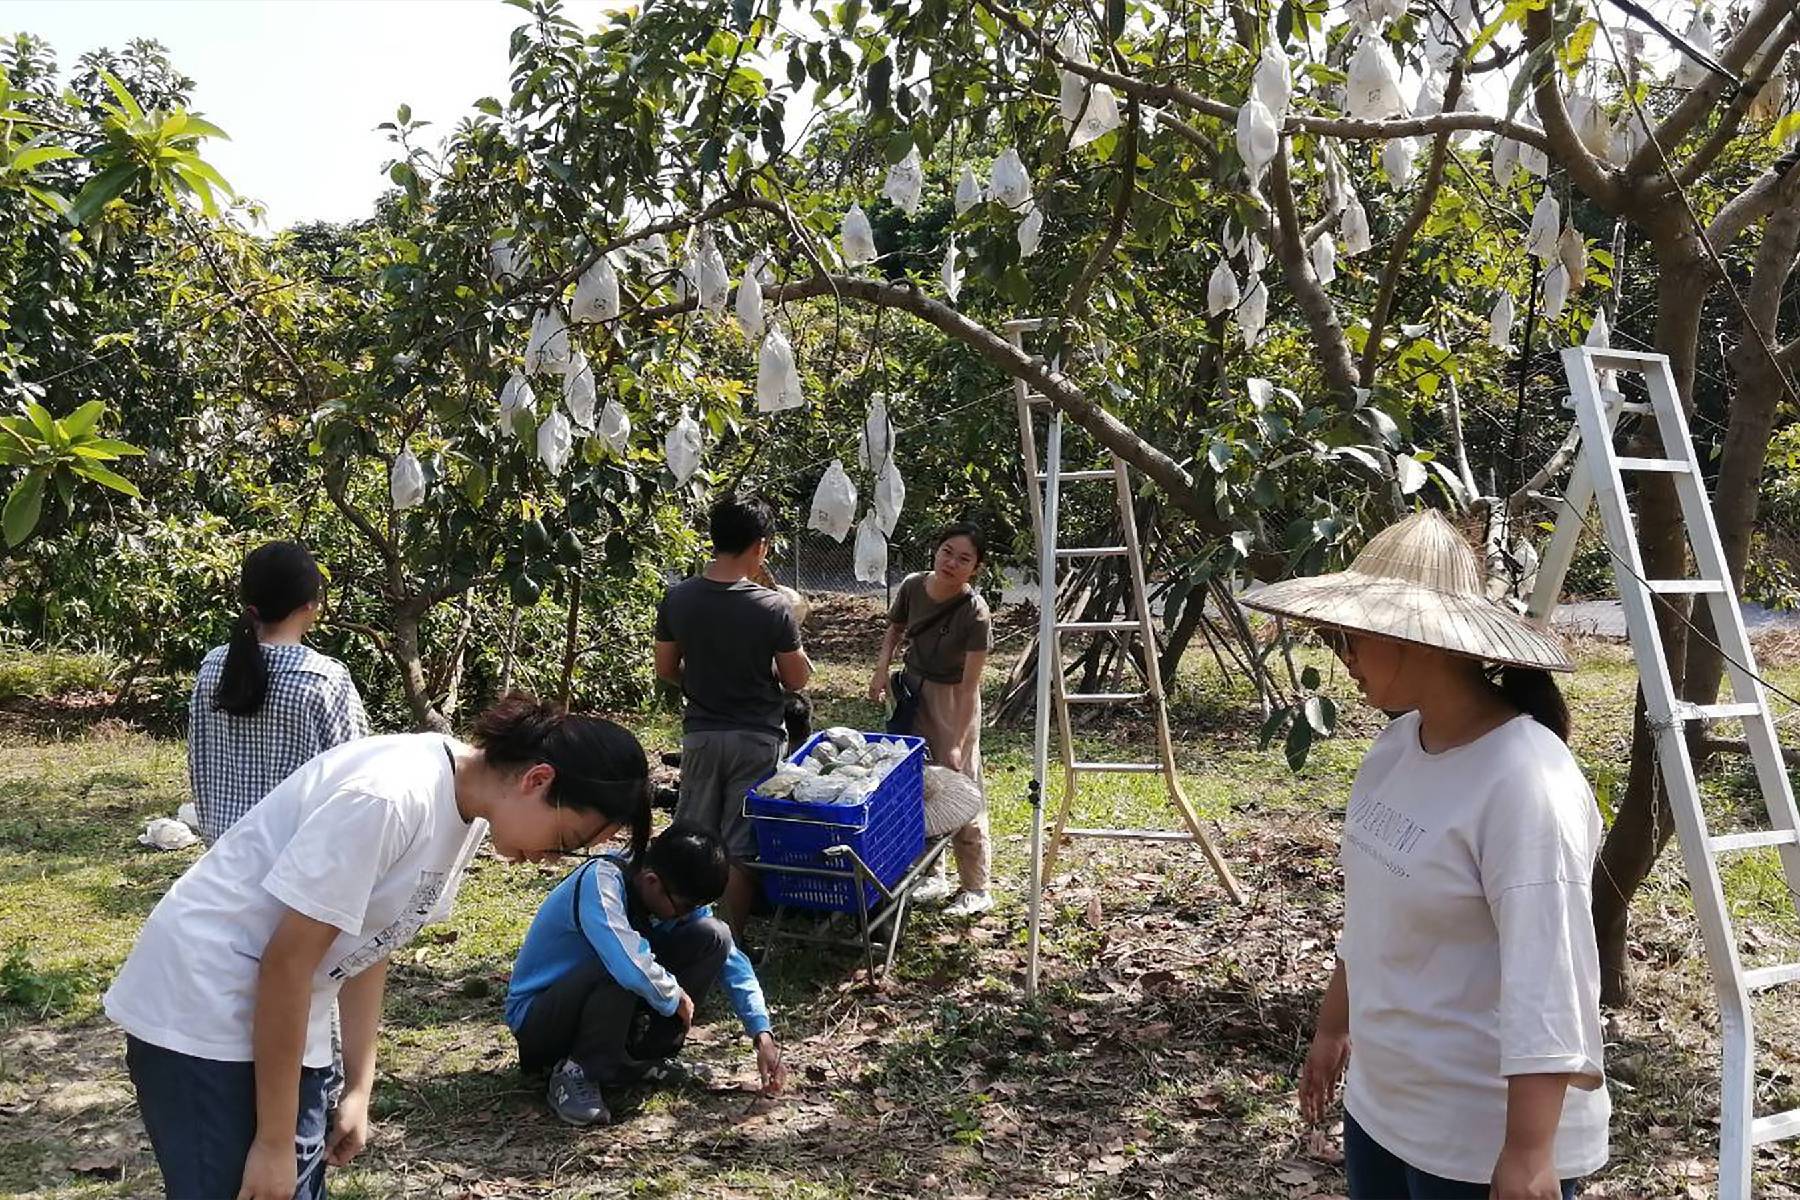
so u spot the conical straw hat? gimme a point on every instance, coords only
(1418, 581)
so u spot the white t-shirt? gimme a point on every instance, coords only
(1468, 946)
(365, 837)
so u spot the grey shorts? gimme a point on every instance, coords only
(717, 767)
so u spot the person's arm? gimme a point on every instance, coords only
(359, 1006)
(623, 951)
(794, 669)
(668, 662)
(278, 1043)
(1526, 1169)
(744, 990)
(884, 662)
(1330, 1050)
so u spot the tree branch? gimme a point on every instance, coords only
(1415, 220)
(1733, 116)
(1128, 155)
(1333, 347)
(1771, 190)
(1701, 100)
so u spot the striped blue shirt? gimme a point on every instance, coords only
(554, 945)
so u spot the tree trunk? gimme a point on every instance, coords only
(1642, 826)
(1749, 427)
(405, 649)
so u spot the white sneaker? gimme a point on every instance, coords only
(933, 891)
(969, 904)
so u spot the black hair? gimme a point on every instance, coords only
(965, 529)
(739, 522)
(600, 766)
(796, 714)
(277, 578)
(1533, 691)
(690, 861)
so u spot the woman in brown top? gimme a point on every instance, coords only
(948, 634)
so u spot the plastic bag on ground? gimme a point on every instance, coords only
(615, 427)
(1221, 290)
(875, 445)
(1546, 227)
(1500, 322)
(906, 182)
(890, 497)
(1008, 181)
(166, 833)
(968, 190)
(406, 481)
(1031, 229)
(516, 400)
(548, 348)
(579, 390)
(596, 294)
(777, 378)
(555, 442)
(834, 503)
(750, 304)
(857, 239)
(871, 550)
(682, 447)
(1324, 258)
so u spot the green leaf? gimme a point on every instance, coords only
(898, 145)
(201, 127)
(45, 424)
(23, 507)
(35, 156)
(107, 478)
(1784, 129)
(1309, 679)
(1272, 726)
(101, 190)
(1299, 743)
(127, 102)
(1321, 714)
(1115, 19)
(78, 424)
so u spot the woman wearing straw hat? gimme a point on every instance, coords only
(1466, 995)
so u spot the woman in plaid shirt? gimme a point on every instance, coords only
(264, 703)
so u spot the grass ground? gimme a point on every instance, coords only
(1160, 1060)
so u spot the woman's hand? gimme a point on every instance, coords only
(684, 1010)
(878, 686)
(1526, 1174)
(349, 1129)
(1319, 1077)
(769, 1067)
(270, 1172)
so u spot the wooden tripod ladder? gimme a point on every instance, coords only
(1052, 695)
(1598, 476)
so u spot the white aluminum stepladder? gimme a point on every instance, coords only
(1598, 475)
(1052, 696)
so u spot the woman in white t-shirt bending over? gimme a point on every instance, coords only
(226, 998)
(1466, 994)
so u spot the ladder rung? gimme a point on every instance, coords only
(1666, 466)
(1035, 398)
(1761, 978)
(1089, 551)
(1080, 476)
(1105, 697)
(1123, 768)
(1135, 835)
(1753, 841)
(1775, 1127)
(1620, 405)
(1684, 587)
(1096, 626)
(1716, 712)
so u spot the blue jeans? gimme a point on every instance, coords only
(1376, 1174)
(201, 1117)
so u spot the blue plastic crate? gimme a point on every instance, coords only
(886, 828)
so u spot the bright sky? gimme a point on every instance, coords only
(301, 84)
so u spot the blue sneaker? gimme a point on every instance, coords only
(575, 1098)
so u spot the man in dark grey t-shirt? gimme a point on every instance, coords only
(731, 646)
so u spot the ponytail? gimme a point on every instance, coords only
(600, 766)
(277, 579)
(1533, 691)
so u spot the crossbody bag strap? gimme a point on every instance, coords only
(941, 615)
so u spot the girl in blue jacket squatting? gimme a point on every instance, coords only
(604, 988)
